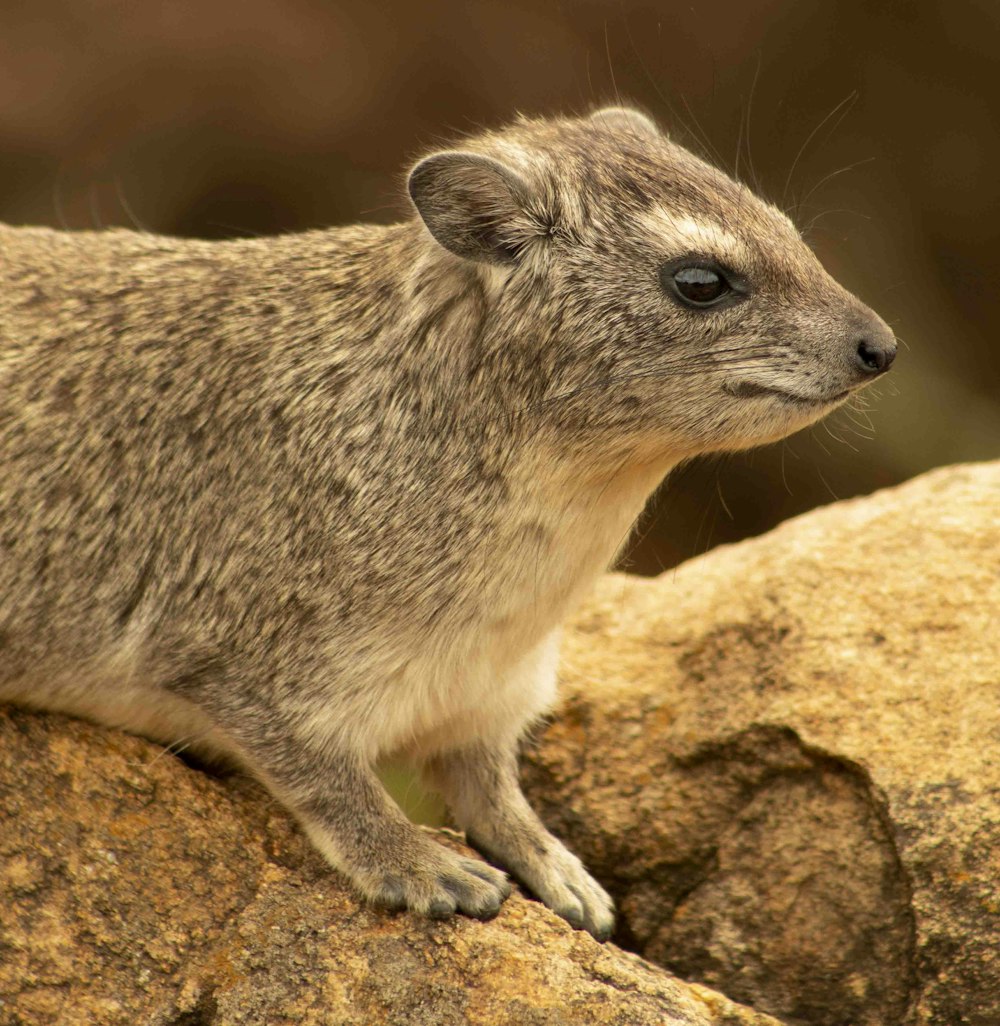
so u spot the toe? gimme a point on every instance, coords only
(475, 895)
(571, 909)
(571, 892)
(494, 877)
(599, 921)
(441, 908)
(599, 916)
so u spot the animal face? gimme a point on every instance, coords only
(674, 308)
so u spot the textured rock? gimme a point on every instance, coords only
(136, 891)
(784, 759)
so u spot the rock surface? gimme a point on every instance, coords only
(136, 891)
(783, 759)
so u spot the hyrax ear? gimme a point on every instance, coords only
(628, 120)
(473, 205)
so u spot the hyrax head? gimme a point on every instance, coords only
(672, 308)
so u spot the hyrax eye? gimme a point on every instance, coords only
(696, 285)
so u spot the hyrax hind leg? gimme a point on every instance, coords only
(356, 825)
(481, 787)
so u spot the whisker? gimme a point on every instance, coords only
(611, 67)
(753, 87)
(837, 438)
(718, 491)
(811, 226)
(697, 132)
(739, 147)
(94, 205)
(784, 478)
(819, 442)
(126, 206)
(832, 175)
(849, 99)
(858, 430)
(863, 421)
(826, 483)
(176, 747)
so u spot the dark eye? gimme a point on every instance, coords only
(699, 286)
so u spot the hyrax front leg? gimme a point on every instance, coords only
(480, 784)
(363, 833)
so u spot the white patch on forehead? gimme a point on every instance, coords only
(685, 233)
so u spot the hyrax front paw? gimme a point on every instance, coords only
(558, 878)
(437, 883)
(570, 891)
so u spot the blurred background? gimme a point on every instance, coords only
(215, 118)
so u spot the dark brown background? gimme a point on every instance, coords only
(220, 117)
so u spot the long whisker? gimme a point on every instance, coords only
(784, 476)
(826, 483)
(849, 99)
(819, 441)
(832, 175)
(837, 438)
(858, 408)
(697, 132)
(749, 111)
(180, 745)
(611, 66)
(827, 213)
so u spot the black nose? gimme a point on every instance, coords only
(875, 357)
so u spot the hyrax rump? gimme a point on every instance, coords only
(312, 500)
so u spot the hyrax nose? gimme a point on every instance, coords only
(875, 349)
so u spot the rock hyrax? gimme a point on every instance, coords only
(308, 501)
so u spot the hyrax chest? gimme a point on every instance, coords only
(558, 539)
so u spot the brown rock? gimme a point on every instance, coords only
(136, 891)
(784, 759)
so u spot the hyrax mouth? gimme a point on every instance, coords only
(752, 390)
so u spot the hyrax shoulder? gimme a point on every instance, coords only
(309, 500)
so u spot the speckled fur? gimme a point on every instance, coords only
(311, 500)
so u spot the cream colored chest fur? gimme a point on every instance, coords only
(496, 673)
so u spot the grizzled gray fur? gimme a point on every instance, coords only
(310, 501)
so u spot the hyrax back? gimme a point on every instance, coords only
(311, 500)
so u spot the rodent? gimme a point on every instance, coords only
(308, 500)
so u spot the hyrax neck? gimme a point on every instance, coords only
(540, 503)
(559, 498)
(562, 531)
